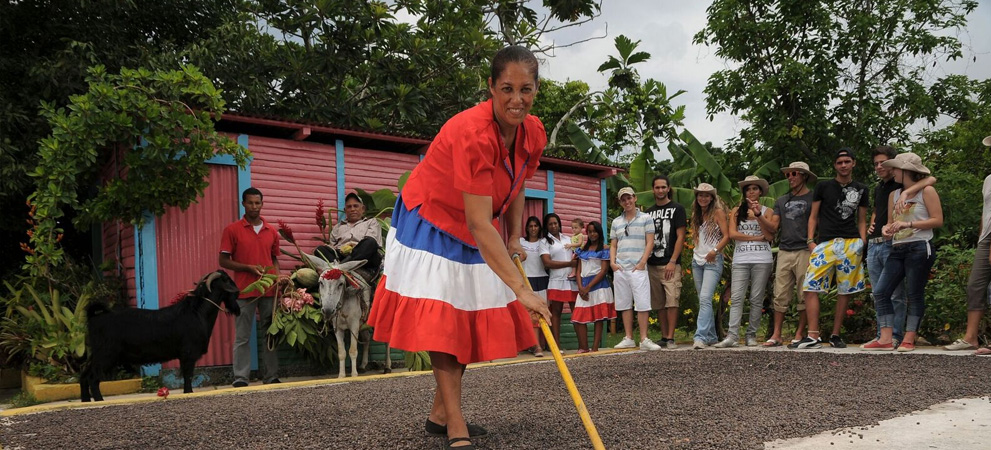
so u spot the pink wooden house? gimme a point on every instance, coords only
(294, 165)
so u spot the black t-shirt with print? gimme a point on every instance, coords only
(667, 219)
(838, 208)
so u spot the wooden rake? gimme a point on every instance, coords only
(593, 434)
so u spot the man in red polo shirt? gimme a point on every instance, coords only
(250, 248)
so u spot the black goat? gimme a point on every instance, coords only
(141, 336)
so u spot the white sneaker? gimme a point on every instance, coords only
(751, 341)
(648, 344)
(730, 341)
(698, 344)
(626, 343)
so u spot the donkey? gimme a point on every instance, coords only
(345, 296)
(141, 336)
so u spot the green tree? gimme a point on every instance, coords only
(157, 126)
(810, 77)
(47, 48)
(347, 63)
(555, 100)
(959, 160)
(357, 64)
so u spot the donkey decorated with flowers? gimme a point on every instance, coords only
(345, 297)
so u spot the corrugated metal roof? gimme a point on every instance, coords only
(269, 126)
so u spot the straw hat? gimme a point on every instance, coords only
(626, 191)
(754, 179)
(906, 161)
(987, 141)
(801, 167)
(707, 188)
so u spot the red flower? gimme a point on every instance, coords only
(850, 313)
(286, 232)
(332, 274)
(321, 215)
(163, 392)
(858, 303)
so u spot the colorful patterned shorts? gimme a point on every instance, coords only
(840, 257)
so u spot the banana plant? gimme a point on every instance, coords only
(694, 164)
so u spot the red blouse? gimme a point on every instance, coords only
(468, 156)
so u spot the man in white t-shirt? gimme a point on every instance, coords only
(631, 244)
(980, 276)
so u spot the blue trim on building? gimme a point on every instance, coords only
(539, 194)
(243, 175)
(550, 188)
(340, 179)
(146, 274)
(603, 207)
(223, 160)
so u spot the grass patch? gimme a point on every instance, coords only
(150, 384)
(23, 399)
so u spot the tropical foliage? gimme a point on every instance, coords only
(158, 125)
(809, 78)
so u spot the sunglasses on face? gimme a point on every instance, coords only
(792, 174)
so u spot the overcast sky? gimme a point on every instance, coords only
(665, 29)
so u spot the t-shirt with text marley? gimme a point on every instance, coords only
(667, 219)
(838, 209)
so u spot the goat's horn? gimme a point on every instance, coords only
(209, 279)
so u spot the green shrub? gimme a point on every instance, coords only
(946, 294)
(23, 399)
(151, 384)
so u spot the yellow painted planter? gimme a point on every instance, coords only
(53, 392)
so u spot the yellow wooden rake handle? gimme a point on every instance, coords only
(593, 434)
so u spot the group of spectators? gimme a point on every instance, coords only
(825, 238)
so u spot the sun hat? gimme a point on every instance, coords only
(906, 161)
(845, 151)
(754, 179)
(626, 191)
(801, 167)
(706, 188)
(987, 141)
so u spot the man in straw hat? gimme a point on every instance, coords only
(980, 276)
(839, 220)
(791, 217)
(879, 246)
(631, 244)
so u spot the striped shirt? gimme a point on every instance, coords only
(631, 238)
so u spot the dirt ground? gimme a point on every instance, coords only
(654, 400)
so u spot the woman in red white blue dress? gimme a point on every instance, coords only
(449, 285)
(595, 300)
